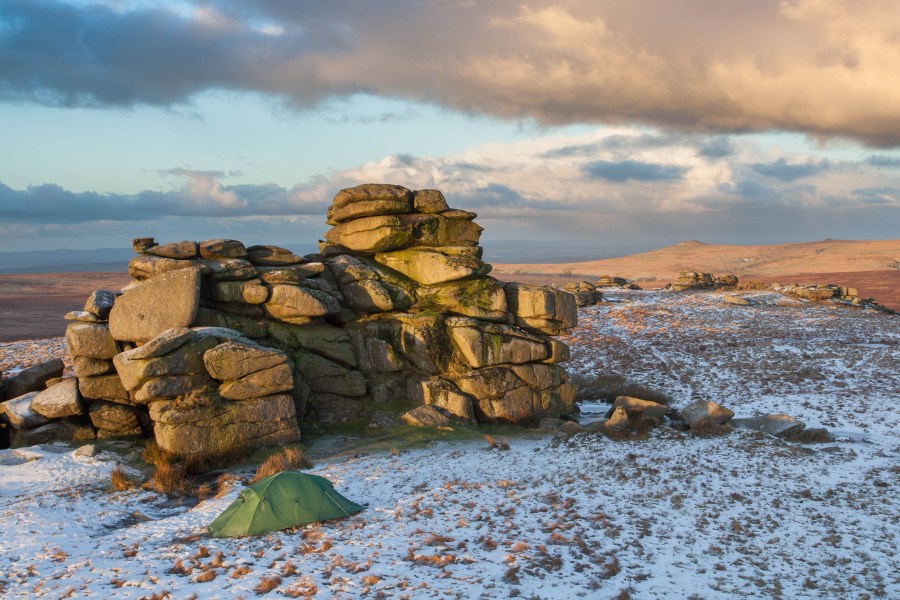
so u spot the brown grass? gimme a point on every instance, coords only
(120, 480)
(172, 479)
(267, 584)
(239, 572)
(496, 444)
(605, 387)
(288, 459)
(708, 427)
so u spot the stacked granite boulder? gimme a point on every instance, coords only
(216, 346)
(586, 293)
(692, 280)
(609, 281)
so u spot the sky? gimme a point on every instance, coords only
(601, 123)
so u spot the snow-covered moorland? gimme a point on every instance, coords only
(671, 516)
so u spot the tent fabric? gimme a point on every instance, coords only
(279, 501)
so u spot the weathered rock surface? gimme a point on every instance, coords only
(219, 426)
(99, 303)
(219, 249)
(59, 401)
(702, 412)
(778, 425)
(91, 340)
(272, 256)
(638, 408)
(63, 430)
(543, 309)
(159, 303)
(736, 300)
(19, 414)
(34, 378)
(103, 387)
(177, 250)
(431, 415)
(295, 304)
(114, 420)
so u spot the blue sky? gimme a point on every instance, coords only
(755, 122)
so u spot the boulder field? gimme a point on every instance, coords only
(215, 346)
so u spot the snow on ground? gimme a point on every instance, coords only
(672, 516)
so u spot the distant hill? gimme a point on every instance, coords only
(664, 264)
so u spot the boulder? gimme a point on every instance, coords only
(61, 430)
(86, 366)
(146, 266)
(431, 415)
(368, 288)
(143, 244)
(87, 451)
(323, 375)
(186, 359)
(637, 408)
(228, 269)
(736, 300)
(445, 395)
(234, 360)
(178, 250)
(272, 256)
(543, 309)
(778, 425)
(267, 382)
(322, 339)
(295, 304)
(702, 412)
(103, 387)
(58, 401)
(431, 266)
(34, 378)
(419, 340)
(250, 291)
(92, 340)
(482, 298)
(169, 386)
(384, 420)
(482, 344)
(559, 352)
(18, 413)
(361, 207)
(290, 274)
(385, 233)
(518, 393)
(372, 192)
(617, 423)
(218, 249)
(160, 303)
(165, 342)
(100, 302)
(82, 316)
(246, 326)
(217, 427)
(429, 201)
(114, 420)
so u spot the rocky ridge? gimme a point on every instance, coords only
(215, 346)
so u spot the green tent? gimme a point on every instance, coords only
(280, 501)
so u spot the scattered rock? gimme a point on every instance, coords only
(637, 409)
(778, 425)
(736, 300)
(99, 303)
(87, 451)
(702, 412)
(18, 413)
(430, 415)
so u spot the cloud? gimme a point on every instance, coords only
(823, 67)
(621, 184)
(630, 170)
(784, 171)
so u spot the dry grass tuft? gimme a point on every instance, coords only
(289, 459)
(120, 479)
(303, 588)
(267, 584)
(172, 479)
(205, 577)
(598, 386)
(496, 444)
(708, 427)
(239, 572)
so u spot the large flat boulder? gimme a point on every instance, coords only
(34, 378)
(431, 266)
(159, 303)
(185, 359)
(292, 304)
(19, 414)
(234, 360)
(778, 425)
(103, 387)
(59, 400)
(272, 256)
(482, 298)
(486, 344)
(146, 266)
(220, 426)
(369, 200)
(386, 233)
(221, 248)
(177, 250)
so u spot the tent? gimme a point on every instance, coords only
(280, 501)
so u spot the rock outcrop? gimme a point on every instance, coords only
(216, 346)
